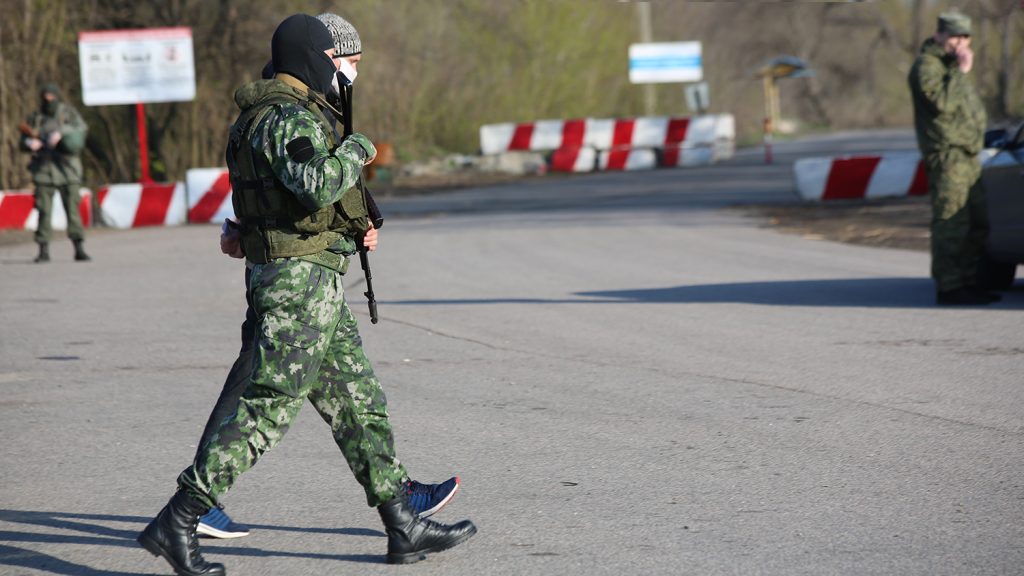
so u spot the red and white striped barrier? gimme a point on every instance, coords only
(136, 205)
(607, 134)
(209, 195)
(851, 177)
(18, 210)
(582, 159)
(628, 159)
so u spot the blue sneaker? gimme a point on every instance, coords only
(217, 524)
(426, 499)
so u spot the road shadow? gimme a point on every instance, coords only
(840, 292)
(93, 530)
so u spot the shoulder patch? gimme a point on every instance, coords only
(300, 149)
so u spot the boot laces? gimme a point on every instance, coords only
(193, 545)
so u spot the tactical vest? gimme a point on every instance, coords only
(274, 223)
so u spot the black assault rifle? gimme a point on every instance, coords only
(373, 211)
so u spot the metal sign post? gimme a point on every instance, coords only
(770, 73)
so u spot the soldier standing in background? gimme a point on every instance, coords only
(55, 135)
(293, 185)
(949, 118)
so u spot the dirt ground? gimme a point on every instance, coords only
(891, 223)
(894, 223)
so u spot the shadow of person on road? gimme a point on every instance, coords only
(841, 292)
(833, 292)
(92, 531)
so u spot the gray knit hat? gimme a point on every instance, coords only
(346, 39)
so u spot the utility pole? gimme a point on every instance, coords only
(643, 12)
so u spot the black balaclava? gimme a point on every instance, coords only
(298, 49)
(49, 108)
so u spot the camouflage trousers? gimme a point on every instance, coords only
(70, 197)
(307, 345)
(959, 226)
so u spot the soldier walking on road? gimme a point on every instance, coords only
(426, 499)
(55, 135)
(949, 118)
(294, 189)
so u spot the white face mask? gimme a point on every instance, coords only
(347, 71)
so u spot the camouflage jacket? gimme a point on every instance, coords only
(318, 174)
(296, 143)
(947, 110)
(60, 165)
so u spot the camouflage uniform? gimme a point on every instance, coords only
(57, 169)
(307, 341)
(949, 118)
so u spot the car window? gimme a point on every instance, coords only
(1018, 139)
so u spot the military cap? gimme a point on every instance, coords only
(49, 88)
(955, 24)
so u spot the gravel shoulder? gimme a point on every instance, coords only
(892, 223)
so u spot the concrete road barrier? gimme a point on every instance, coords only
(18, 211)
(852, 177)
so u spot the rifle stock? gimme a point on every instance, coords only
(27, 130)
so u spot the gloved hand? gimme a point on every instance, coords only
(231, 239)
(360, 146)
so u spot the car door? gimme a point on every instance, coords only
(1003, 179)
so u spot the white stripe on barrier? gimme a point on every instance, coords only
(893, 175)
(135, 205)
(496, 138)
(119, 204)
(209, 195)
(810, 175)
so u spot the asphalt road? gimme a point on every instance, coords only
(628, 379)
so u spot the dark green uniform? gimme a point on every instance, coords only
(57, 169)
(949, 118)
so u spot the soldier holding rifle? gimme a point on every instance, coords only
(55, 135)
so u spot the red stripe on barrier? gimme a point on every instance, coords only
(153, 204)
(572, 133)
(204, 210)
(564, 159)
(622, 139)
(85, 211)
(919, 187)
(849, 178)
(521, 137)
(14, 210)
(676, 133)
(674, 137)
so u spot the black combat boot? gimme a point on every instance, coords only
(411, 537)
(965, 297)
(172, 534)
(44, 253)
(80, 254)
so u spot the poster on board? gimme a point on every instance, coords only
(137, 66)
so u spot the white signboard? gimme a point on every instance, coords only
(133, 66)
(697, 97)
(654, 62)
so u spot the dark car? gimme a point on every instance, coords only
(1002, 175)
